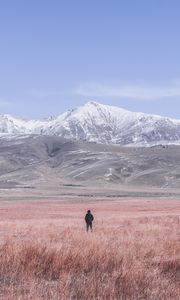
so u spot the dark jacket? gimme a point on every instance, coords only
(89, 218)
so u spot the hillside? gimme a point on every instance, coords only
(31, 160)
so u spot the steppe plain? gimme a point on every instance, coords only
(132, 253)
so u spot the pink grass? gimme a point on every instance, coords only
(133, 252)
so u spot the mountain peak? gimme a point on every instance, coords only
(106, 107)
(95, 103)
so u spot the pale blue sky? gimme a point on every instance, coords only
(59, 54)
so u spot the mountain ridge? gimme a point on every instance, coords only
(99, 123)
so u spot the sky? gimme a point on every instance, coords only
(58, 54)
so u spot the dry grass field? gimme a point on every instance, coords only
(133, 252)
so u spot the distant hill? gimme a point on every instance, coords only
(31, 160)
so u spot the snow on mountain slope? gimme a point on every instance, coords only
(12, 125)
(95, 122)
(99, 123)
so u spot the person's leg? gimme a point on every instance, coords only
(90, 226)
(87, 227)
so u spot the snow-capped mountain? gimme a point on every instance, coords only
(100, 123)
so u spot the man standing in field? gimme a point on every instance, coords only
(89, 219)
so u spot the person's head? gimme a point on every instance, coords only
(88, 211)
